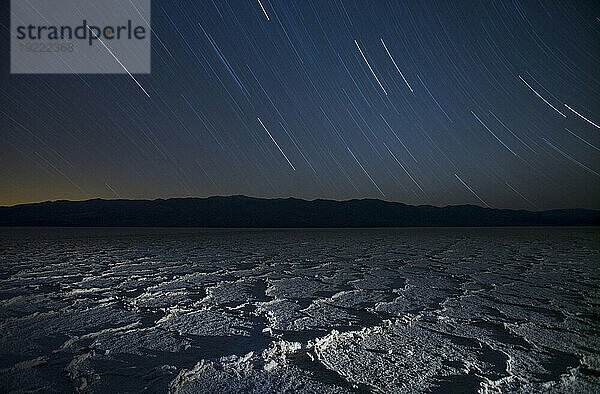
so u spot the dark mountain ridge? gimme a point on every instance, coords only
(242, 211)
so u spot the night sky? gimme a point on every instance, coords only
(494, 103)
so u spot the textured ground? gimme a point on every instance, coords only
(390, 310)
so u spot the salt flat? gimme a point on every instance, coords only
(380, 310)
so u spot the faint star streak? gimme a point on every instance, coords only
(510, 131)
(297, 147)
(407, 173)
(436, 102)
(584, 141)
(570, 158)
(398, 138)
(276, 144)
(471, 190)
(365, 171)
(113, 55)
(112, 190)
(520, 195)
(491, 132)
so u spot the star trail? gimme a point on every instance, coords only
(468, 102)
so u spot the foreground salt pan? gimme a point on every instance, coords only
(394, 310)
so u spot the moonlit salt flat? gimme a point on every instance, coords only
(381, 310)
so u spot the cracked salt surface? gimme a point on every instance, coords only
(320, 311)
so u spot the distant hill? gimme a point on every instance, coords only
(241, 211)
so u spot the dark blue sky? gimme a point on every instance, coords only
(424, 102)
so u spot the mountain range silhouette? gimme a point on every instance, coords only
(242, 211)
